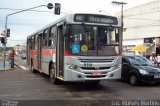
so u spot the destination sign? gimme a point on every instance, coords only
(91, 18)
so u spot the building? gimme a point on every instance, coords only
(142, 28)
(19, 48)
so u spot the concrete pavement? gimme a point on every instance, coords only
(7, 65)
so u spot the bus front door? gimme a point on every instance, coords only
(59, 52)
(39, 50)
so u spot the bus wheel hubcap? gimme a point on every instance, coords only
(52, 72)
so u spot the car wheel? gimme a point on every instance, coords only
(52, 71)
(133, 79)
(157, 83)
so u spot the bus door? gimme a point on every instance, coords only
(39, 50)
(59, 52)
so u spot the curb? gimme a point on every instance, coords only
(17, 65)
(10, 69)
(7, 69)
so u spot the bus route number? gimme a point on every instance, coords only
(86, 64)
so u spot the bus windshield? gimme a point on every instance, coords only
(92, 40)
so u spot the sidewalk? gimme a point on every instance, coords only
(7, 66)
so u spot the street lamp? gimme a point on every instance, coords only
(49, 6)
(120, 3)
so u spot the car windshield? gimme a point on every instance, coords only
(139, 60)
(92, 40)
(24, 54)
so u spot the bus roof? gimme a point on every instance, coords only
(69, 18)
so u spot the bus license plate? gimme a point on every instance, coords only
(96, 74)
(156, 76)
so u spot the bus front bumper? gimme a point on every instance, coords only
(72, 75)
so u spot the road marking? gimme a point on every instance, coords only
(24, 68)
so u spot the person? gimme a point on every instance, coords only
(158, 60)
(11, 58)
(153, 58)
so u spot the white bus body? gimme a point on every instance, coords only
(77, 47)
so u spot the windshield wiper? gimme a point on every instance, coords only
(145, 64)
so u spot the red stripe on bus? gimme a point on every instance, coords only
(35, 62)
(48, 52)
(51, 52)
(33, 52)
(69, 54)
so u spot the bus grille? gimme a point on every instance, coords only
(96, 76)
(94, 68)
(96, 60)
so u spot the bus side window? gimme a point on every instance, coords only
(36, 41)
(32, 42)
(45, 38)
(52, 37)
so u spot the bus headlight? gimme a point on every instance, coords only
(117, 66)
(73, 67)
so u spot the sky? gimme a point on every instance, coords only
(25, 23)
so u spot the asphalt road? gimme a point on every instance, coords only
(36, 89)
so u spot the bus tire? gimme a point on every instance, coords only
(52, 74)
(32, 68)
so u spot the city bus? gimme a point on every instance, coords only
(77, 47)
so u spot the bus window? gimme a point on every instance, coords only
(45, 36)
(84, 36)
(52, 38)
(36, 41)
(108, 41)
(29, 43)
(108, 36)
(97, 40)
(32, 42)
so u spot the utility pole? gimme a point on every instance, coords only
(120, 3)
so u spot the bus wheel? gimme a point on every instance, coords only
(32, 68)
(52, 75)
